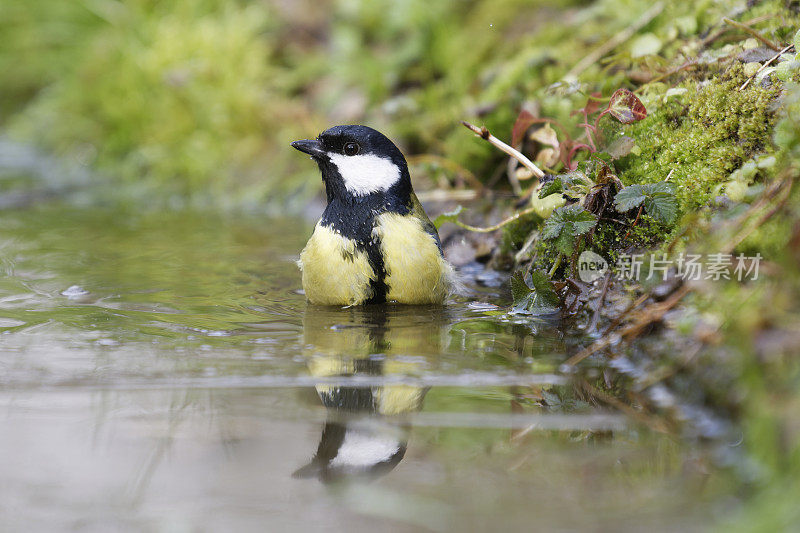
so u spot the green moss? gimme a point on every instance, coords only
(701, 137)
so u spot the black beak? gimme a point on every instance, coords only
(311, 147)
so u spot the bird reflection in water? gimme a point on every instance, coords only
(367, 428)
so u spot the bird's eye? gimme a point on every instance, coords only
(351, 149)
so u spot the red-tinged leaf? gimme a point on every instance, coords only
(525, 120)
(626, 107)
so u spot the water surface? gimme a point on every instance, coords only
(162, 372)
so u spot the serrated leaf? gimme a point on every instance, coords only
(535, 298)
(662, 206)
(525, 120)
(564, 242)
(519, 289)
(450, 216)
(629, 198)
(658, 187)
(555, 186)
(658, 199)
(626, 107)
(565, 224)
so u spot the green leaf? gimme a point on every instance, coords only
(535, 296)
(564, 243)
(796, 42)
(574, 184)
(658, 199)
(565, 224)
(662, 206)
(629, 198)
(785, 69)
(556, 186)
(519, 289)
(658, 187)
(450, 216)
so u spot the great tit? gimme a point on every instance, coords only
(374, 242)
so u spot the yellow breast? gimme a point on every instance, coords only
(335, 272)
(416, 272)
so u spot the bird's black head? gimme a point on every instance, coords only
(358, 162)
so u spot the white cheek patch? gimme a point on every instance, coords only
(365, 173)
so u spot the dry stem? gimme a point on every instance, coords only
(497, 226)
(765, 65)
(483, 133)
(752, 32)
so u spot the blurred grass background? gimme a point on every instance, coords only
(194, 102)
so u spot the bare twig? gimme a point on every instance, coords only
(751, 31)
(719, 33)
(647, 316)
(622, 316)
(638, 214)
(765, 65)
(483, 133)
(497, 226)
(595, 55)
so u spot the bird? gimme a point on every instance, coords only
(374, 242)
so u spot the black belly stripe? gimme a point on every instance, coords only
(378, 283)
(354, 218)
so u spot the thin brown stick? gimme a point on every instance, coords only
(483, 133)
(638, 214)
(633, 305)
(719, 33)
(648, 315)
(752, 32)
(595, 55)
(765, 65)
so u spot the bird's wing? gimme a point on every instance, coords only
(417, 211)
